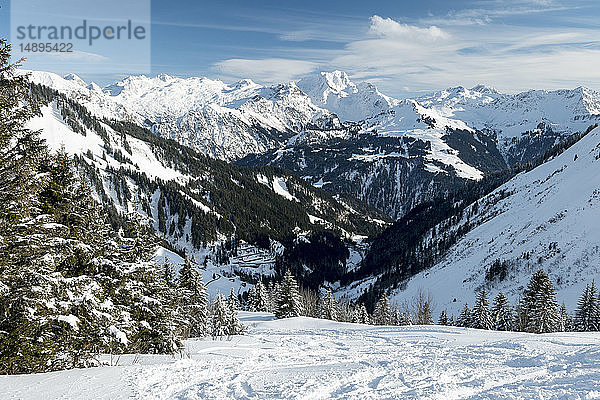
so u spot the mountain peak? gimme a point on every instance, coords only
(76, 79)
(484, 89)
(337, 80)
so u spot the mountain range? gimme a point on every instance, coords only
(199, 156)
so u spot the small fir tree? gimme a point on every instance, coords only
(289, 302)
(482, 318)
(502, 314)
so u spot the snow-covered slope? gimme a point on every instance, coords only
(305, 358)
(546, 218)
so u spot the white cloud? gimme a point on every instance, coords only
(510, 58)
(390, 29)
(268, 70)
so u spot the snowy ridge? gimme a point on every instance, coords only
(510, 115)
(545, 218)
(220, 120)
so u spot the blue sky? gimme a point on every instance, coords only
(404, 47)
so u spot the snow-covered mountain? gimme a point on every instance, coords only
(232, 220)
(219, 120)
(407, 151)
(513, 114)
(545, 218)
(345, 136)
(335, 92)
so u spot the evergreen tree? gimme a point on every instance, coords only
(443, 320)
(502, 315)
(540, 307)
(520, 322)
(220, 317)
(273, 294)
(329, 307)
(346, 311)
(396, 316)
(382, 315)
(482, 318)
(587, 315)
(405, 318)
(234, 326)
(566, 322)
(258, 298)
(168, 273)
(465, 319)
(21, 149)
(289, 302)
(194, 299)
(361, 315)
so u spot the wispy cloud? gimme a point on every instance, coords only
(512, 58)
(388, 28)
(269, 70)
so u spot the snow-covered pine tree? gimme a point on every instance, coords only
(361, 315)
(587, 314)
(219, 321)
(465, 318)
(346, 311)
(382, 315)
(258, 298)
(423, 306)
(540, 306)
(168, 273)
(273, 293)
(482, 317)
(396, 316)
(289, 303)
(502, 314)
(234, 326)
(566, 322)
(520, 322)
(152, 303)
(194, 299)
(583, 311)
(443, 320)
(329, 307)
(70, 287)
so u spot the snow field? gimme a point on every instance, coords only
(305, 358)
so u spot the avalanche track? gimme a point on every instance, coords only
(304, 358)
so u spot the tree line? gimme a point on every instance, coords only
(536, 312)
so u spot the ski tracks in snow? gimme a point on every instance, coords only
(284, 360)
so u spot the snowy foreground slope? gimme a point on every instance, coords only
(304, 358)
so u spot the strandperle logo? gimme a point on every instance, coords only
(86, 37)
(84, 31)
